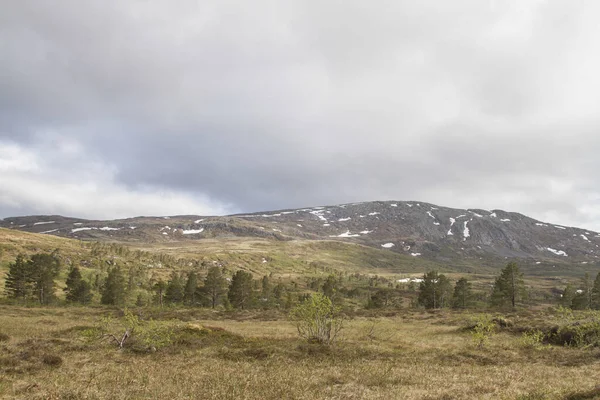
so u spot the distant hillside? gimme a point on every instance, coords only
(415, 229)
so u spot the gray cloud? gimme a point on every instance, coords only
(216, 107)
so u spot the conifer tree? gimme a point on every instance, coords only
(175, 290)
(77, 289)
(596, 293)
(113, 290)
(241, 293)
(330, 287)
(43, 269)
(215, 286)
(160, 287)
(191, 287)
(435, 290)
(566, 300)
(462, 296)
(508, 287)
(18, 283)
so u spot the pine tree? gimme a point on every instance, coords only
(160, 287)
(266, 291)
(596, 293)
(330, 287)
(462, 293)
(191, 287)
(566, 300)
(587, 287)
(435, 290)
(18, 283)
(215, 286)
(77, 289)
(43, 269)
(175, 289)
(508, 287)
(278, 293)
(241, 294)
(113, 290)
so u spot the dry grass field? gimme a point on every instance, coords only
(46, 354)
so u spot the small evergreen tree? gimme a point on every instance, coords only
(587, 287)
(462, 294)
(77, 290)
(566, 300)
(191, 287)
(18, 283)
(596, 293)
(508, 287)
(215, 286)
(175, 290)
(435, 290)
(241, 294)
(43, 269)
(160, 287)
(330, 287)
(113, 289)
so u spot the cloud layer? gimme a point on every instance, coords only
(112, 109)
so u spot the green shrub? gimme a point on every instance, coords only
(317, 319)
(533, 339)
(483, 329)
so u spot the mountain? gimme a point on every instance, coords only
(412, 228)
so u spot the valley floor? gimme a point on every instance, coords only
(44, 354)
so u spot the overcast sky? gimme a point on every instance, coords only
(112, 108)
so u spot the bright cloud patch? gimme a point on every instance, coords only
(34, 183)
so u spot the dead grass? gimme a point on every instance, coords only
(412, 356)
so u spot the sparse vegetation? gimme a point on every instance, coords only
(263, 317)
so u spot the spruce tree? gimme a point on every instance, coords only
(508, 287)
(43, 269)
(566, 300)
(113, 290)
(462, 294)
(596, 293)
(18, 283)
(215, 286)
(159, 287)
(241, 293)
(175, 290)
(191, 287)
(77, 290)
(330, 287)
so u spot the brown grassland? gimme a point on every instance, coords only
(45, 354)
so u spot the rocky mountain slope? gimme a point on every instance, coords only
(412, 228)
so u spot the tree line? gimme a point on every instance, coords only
(33, 279)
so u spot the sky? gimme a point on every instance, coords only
(112, 109)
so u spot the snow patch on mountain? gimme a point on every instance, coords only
(347, 234)
(466, 232)
(557, 252)
(43, 223)
(192, 231)
(75, 230)
(452, 221)
(388, 245)
(344, 219)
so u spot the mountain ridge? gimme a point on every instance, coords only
(416, 228)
